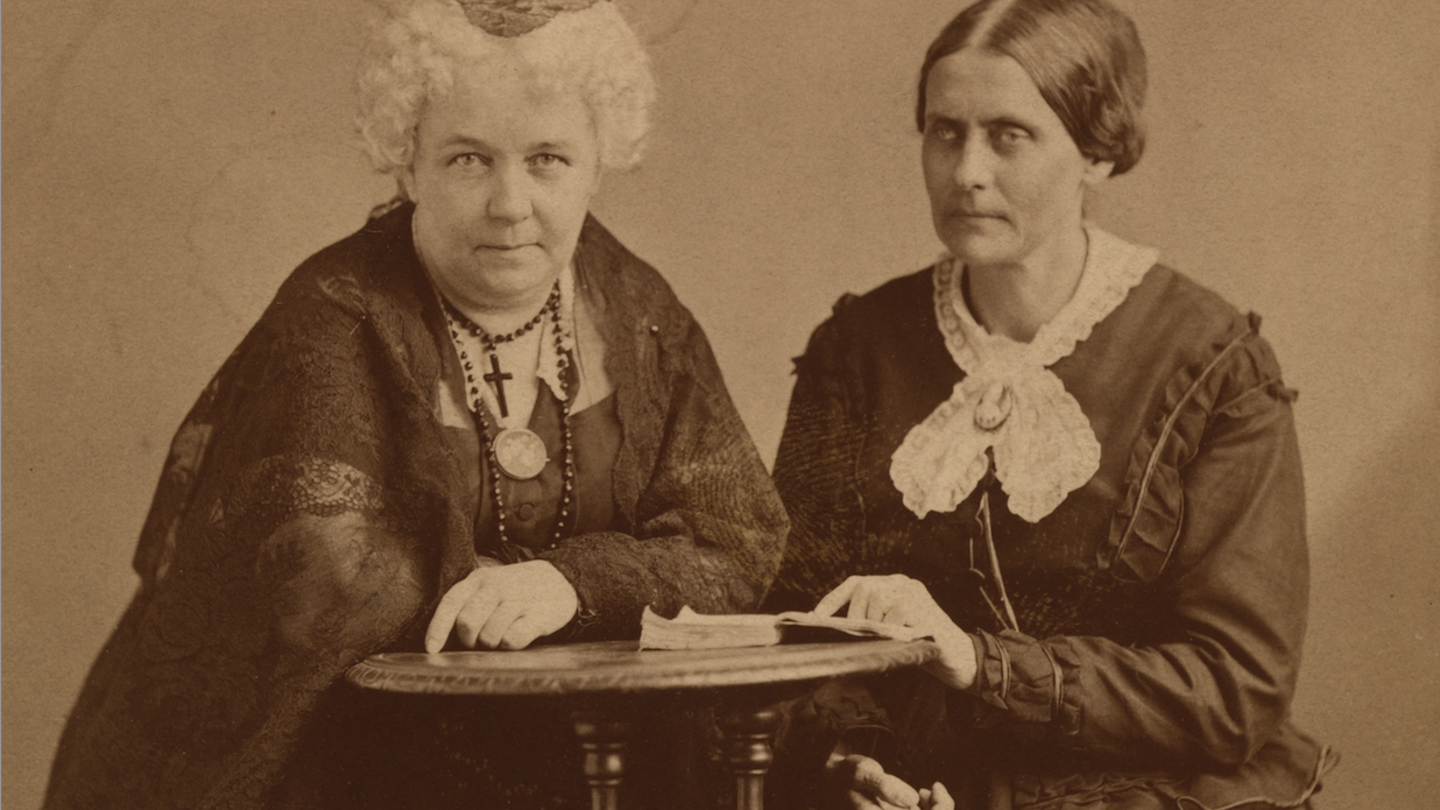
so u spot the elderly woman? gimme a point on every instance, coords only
(478, 421)
(1074, 467)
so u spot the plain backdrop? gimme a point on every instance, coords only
(166, 164)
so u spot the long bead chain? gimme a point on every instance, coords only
(477, 405)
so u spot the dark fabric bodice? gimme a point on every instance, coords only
(1161, 606)
(1054, 570)
(533, 506)
(895, 370)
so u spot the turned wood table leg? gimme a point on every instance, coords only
(602, 738)
(747, 740)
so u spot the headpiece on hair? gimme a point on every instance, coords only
(511, 18)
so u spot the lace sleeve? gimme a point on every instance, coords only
(705, 527)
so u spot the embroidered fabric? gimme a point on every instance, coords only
(1010, 405)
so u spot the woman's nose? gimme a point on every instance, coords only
(510, 197)
(973, 165)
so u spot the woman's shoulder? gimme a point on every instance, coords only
(368, 262)
(907, 294)
(1178, 314)
(364, 287)
(619, 281)
(370, 275)
(1176, 297)
(901, 308)
(889, 326)
(1207, 355)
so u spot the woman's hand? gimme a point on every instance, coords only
(898, 599)
(504, 607)
(866, 786)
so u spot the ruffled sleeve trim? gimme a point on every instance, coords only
(1283, 777)
(1146, 526)
(1295, 756)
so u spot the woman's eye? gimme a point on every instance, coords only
(1010, 137)
(467, 160)
(943, 132)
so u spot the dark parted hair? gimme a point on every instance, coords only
(1083, 55)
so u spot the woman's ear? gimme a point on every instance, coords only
(1098, 170)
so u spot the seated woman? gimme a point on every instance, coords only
(1075, 467)
(479, 401)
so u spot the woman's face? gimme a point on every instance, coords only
(1006, 182)
(502, 179)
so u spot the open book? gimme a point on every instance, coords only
(695, 631)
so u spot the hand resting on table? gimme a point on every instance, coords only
(898, 599)
(503, 607)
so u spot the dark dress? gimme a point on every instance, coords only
(314, 509)
(1161, 604)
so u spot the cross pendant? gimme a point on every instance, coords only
(498, 377)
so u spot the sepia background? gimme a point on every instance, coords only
(166, 164)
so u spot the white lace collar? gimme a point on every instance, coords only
(1010, 403)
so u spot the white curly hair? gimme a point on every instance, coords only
(415, 50)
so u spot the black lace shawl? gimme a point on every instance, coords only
(310, 513)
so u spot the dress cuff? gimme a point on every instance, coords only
(574, 630)
(603, 613)
(1022, 680)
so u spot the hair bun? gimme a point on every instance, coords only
(511, 18)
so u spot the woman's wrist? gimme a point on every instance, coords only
(958, 662)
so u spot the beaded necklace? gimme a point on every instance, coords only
(552, 305)
(517, 451)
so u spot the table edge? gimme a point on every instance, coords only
(383, 676)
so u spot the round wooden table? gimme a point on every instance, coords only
(609, 682)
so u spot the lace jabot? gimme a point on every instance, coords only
(1010, 402)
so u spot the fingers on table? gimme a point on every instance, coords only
(473, 615)
(476, 610)
(862, 599)
(860, 801)
(480, 615)
(879, 598)
(521, 633)
(837, 598)
(496, 622)
(449, 608)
